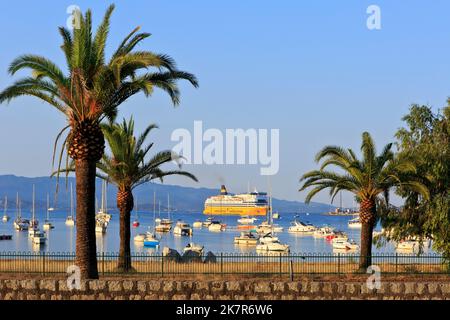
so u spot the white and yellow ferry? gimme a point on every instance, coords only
(246, 204)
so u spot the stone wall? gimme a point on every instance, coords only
(218, 290)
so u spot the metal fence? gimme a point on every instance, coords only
(226, 264)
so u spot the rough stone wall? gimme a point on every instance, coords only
(218, 290)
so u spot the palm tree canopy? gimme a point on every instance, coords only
(367, 177)
(93, 87)
(128, 166)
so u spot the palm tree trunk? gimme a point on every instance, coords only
(367, 218)
(125, 203)
(86, 251)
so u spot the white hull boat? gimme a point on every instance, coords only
(246, 238)
(247, 220)
(215, 226)
(354, 223)
(194, 248)
(182, 229)
(273, 246)
(39, 238)
(197, 224)
(139, 237)
(345, 244)
(300, 227)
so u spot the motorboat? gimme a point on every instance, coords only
(301, 227)
(354, 223)
(151, 240)
(208, 222)
(247, 220)
(39, 237)
(70, 221)
(182, 229)
(246, 238)
(197, 224)
(407, 245)
(193, 247)
(345, 244)
(339, 236)
(163, 228)
(264, 228)
(216, 226)
(276, 246)
(323, 232)
(268, 238)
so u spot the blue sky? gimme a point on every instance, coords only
(309, 68)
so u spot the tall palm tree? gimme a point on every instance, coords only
(369, 179)
(127, 167)
(90, 90)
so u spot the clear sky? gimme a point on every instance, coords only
(309, 68)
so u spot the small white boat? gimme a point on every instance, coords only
(246, 238)
(208, 222)
(268, 238)
(273, 246)
(182, 229)
(151, 240)
(264, 228)
(345, 244)
(193, 247)
(163, 228)
(20, 224)
(158, 220)
(301, 227)
(247, 220)
(39, 237)
(323, 232)
(407, 245)
(139, 237)
(197, 224)
(354, 223)
(70, 221)
(215, 226)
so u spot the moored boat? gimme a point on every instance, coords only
(354, 223)
(246, 238)
(182, 229)
(197, 224)
(301, 227)
(194, 248)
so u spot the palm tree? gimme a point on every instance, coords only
(128, 167)
(368, 179)
(90, 90)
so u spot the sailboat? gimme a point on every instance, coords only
(5, 215)
(19, 223)
(103, 212)
(33, 223)
(48, 225)
(150, 239)
(69, 220)
(165, 225)
(136, 221)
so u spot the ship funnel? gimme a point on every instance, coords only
(223, 190)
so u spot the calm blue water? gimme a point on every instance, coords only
(62, 237)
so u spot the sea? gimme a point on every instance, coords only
(62, 237)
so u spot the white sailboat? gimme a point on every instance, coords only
(48, 225)
(70, 219)
(33, 229)
(19, 223)
(5, 217)
(136, 220)
(165, 225)
(103, 212)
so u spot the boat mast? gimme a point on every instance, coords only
(103, 196)
(168, 206)
(33, 205)
(71, 201)
(17, 206)
(154, 209)
(6, 205)
(48, 204)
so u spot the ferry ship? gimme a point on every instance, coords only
(246, 204)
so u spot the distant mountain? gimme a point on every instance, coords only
(181, 198)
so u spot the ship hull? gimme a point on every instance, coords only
(236, 211)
